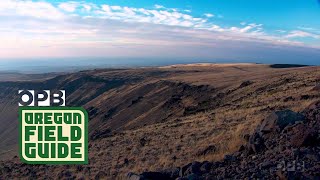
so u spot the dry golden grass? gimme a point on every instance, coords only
(181, 139)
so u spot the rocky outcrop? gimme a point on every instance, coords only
(286, 145)
(245, 84)
(270, 127)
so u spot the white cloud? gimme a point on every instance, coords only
(129, 11)
(38, 9)
(250, 27)
(309, 29)
(87, 7)
(302, 34)
(157, 6)
(68, 6)
(106, 9)
(156, 16)
(216, 28)
(209, 15)
(116, 8)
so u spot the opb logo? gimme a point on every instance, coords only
(51, 135)
(42, 98)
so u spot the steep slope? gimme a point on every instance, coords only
(146, 103)
(286, 145)
(155, 118)
(81, 88)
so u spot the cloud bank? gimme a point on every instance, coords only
(77, 29)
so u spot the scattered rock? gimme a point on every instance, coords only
(256, 143)
(194, 177)
(317, 87)
(305, 97)
(245, 84)
(183, 170)
(287, 99)
(280, 119)
(173, 173)
(312, 112)
(133, 176)
(194, 168)
(301, 135)
(285, 146)
(205, 167)
(143, 141)
(229, 158)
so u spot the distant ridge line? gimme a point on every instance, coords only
(287, 65)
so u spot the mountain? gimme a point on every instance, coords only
(150, 119)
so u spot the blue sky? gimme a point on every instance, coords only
(216, 29)
(276, 14)
(288, 13)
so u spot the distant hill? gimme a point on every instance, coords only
(287, 65)
(15, 76)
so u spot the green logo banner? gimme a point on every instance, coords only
(53, 135)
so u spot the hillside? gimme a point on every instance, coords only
(149, 119)
(286, 145)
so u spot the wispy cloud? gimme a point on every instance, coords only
(157, 6)
(254, 28)
(209, 15)
(302, 34)
(160, 15)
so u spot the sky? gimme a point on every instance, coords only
(255, 30)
